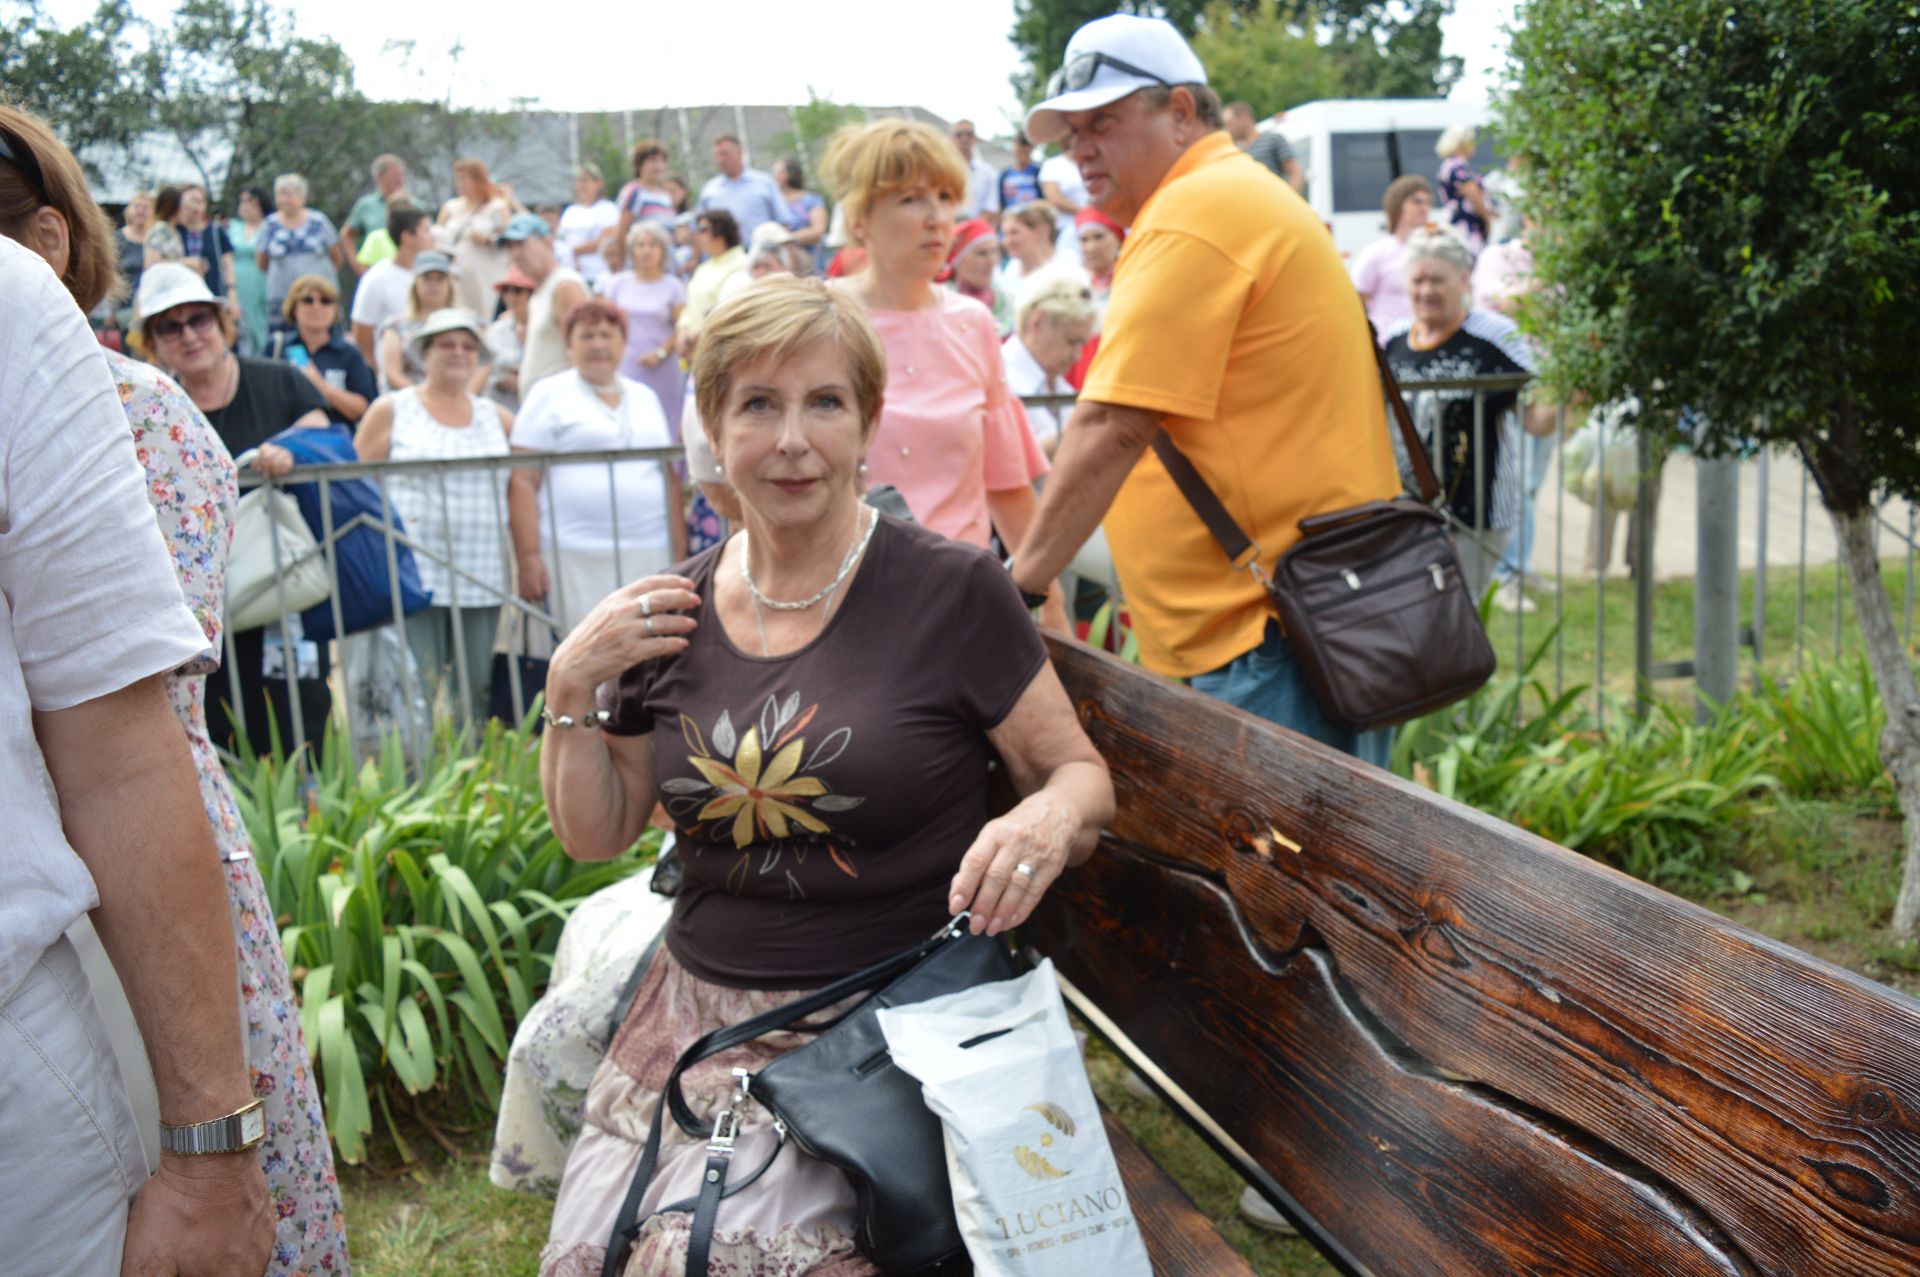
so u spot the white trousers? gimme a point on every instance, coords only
(70, 1156)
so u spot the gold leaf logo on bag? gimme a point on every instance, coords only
(1035, 1163)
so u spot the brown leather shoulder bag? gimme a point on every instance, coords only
(1371, 598)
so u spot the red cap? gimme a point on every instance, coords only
(964, 235)
(1091, 216)
(515, 278)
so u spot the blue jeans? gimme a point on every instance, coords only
(1537, 455)
(1268, 681)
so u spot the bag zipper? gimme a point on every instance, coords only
(1436, 571)
(1346, 573)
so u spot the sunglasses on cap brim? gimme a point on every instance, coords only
(1079, 71)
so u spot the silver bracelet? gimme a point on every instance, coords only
(592, 718)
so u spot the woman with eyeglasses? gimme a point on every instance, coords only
(459, 518)
(247, 401)
(326, 359)
(951, 436)
(296, 1218)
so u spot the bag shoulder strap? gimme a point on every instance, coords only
(1212, 513)
(1423, 476)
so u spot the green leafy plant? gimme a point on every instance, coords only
(1828, 723)
(1651, 795)
(419, 916)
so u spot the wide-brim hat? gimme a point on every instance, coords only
(1126, 53)
(515, 278)
(169, 284)
(450, 320)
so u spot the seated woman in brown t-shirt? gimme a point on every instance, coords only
(816, 700)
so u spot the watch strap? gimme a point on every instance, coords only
(237, 1131)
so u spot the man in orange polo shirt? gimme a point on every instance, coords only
(1232, 324)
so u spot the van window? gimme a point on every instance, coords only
(1363, 165)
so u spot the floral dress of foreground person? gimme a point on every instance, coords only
(190, 481)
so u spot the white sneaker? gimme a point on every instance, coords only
(1510, 598)
(1256, 1210)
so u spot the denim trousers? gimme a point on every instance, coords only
(1268, 682)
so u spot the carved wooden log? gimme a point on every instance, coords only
(1460, 1048)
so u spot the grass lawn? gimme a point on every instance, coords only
(1582, 635)
(1823, 876)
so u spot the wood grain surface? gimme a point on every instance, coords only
(1463, 1049)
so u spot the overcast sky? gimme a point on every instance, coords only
(953, 59)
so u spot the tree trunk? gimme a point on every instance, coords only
(1887, 655)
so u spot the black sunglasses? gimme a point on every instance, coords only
(1078, 73)
(21, 157)
(166, 329)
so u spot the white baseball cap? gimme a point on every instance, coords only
(169, 284)
(1107, 59)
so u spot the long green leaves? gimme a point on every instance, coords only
(419, 917)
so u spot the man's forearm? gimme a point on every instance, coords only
(1098, 450)
(130, 803)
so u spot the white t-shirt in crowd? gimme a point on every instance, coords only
(381, 294)
(580, 225)
(89, 603)
(1064, 173)
(983, 188)
(563, 414)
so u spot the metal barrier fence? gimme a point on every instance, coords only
(1548, 568)
(469, 591)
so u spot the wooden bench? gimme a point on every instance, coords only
(1445, 1046)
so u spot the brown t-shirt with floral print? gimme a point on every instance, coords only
(824, 798)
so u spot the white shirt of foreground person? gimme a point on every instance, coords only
(89, 605)
(562, 414)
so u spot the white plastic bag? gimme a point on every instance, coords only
(1606, 450)
(1035, 1186)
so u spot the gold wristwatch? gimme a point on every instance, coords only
(233, 1133)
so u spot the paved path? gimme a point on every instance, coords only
(1675, 522)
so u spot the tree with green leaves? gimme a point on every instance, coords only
(1728, 201)
(1366, 48)
(235, 83)
(813, 123)
(87, 79)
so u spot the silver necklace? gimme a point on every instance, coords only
(826, 592)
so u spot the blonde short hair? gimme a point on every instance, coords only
(304, 285)
(1058, 290)
(866, 161)
(1454, 139)
(777, 318)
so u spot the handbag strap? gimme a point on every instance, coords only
(1207, 505)
(1423, 476)
(626, 1222)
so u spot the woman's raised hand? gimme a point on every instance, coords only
(635, 623)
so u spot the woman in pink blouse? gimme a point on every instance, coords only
(952, 437)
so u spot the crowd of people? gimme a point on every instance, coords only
(865, 492)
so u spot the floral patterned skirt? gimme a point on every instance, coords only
(796, 1219)
(310, 1237)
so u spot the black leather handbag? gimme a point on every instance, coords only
(1371, 599)
(842, 1099)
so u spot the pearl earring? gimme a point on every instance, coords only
(720, 467)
